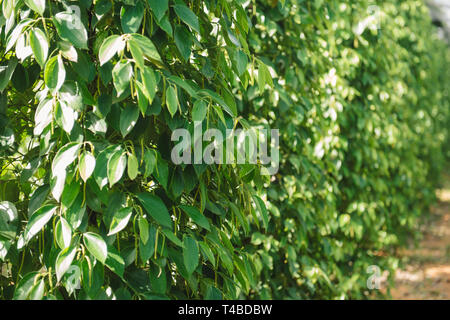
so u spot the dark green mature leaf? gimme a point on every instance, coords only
(131, 17)
(187, 16)
(128, 118)
(190, 254)
(183, 40)
(196, 216)
(96, 246)
(154, 206)
(159, 8)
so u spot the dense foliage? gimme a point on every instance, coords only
(91, 206)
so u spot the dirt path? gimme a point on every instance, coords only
(427, 274)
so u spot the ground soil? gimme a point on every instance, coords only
(427, 271)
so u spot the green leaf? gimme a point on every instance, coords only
(143, 229)
(63, 233)
(8, 220)
(187, 16)
(71, 29)
(156, 208)
(150, 162)
(116, 166)
(172, 100)
(207, 252)
(86, 166)
(65, 116)
(36, 5)
(96, 246)
(37, 292)
(115, 262)
(63, 261)
(25, 286)
(39, 45)
(128, 118)
(131, 17)
(132, 166)
(120, 220)
(54, 73)
(241, 62)
(196, 216)
(263, 211)
(137, 53)
(183, 40)
(6, 73)
(122, 73)
(110, 46)
(147, 239)
(149, 81)
(101, 166)
(148, 48)
(159, 8)
(172, 237)
(38, 220)
(190, 254)
(199, 110)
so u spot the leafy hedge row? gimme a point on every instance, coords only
(92, 206)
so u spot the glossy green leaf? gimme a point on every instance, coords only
(96, 246)
(39, 45)
(54, 73)
(116, 166)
